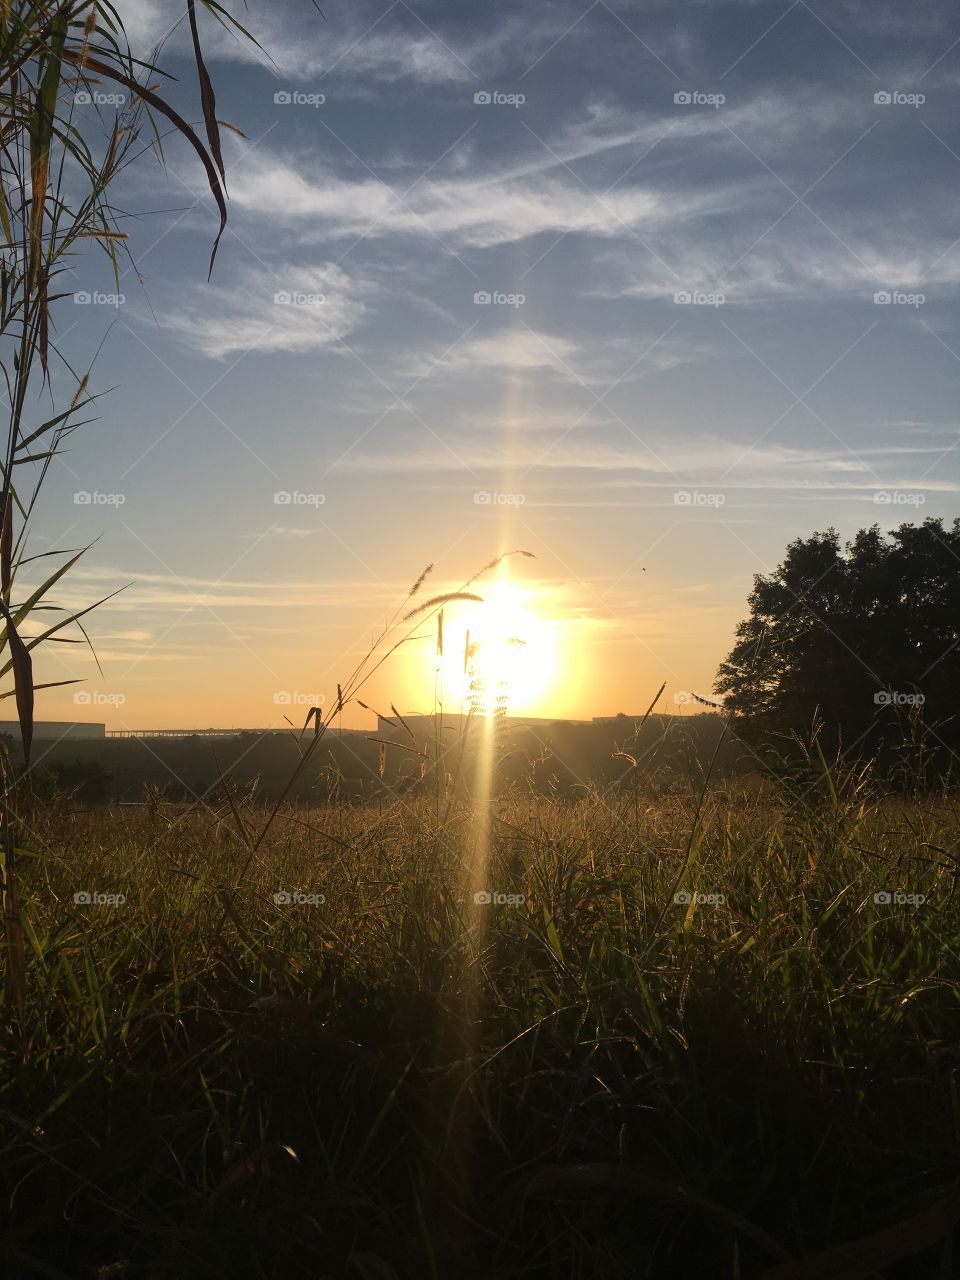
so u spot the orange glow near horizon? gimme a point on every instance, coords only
(519, 651)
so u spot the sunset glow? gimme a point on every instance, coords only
(510, 654)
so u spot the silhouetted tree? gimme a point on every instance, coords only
(863, 637)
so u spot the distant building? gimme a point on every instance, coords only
(57, 730)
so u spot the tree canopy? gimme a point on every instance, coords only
(864, 637)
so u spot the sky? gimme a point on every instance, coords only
(646, 290)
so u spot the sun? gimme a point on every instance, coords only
(509, 659)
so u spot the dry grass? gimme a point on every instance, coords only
(397, 1083)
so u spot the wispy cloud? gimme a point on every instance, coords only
(282, 308)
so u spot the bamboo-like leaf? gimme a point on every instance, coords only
(5, 216)
(52, 423)
(41, 134)
(65, 622)
(35, 596)
(22, 665)
(154, 100)
(49, 684)
(208, 100)
(6, 552)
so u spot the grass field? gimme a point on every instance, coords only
(589, 1078)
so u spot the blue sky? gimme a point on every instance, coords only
(653, 453)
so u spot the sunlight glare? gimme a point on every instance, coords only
(512, 652)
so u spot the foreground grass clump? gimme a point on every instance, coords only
(393, 1081)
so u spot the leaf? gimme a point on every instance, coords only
(65, 622)
(35, 596)
(315, 715)
(22, 665)
(158, 104)
(208, 100)
(6, 552)
(553, 938)
(41, 135)
(49, 684)
(403, 722)
(5, 216)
